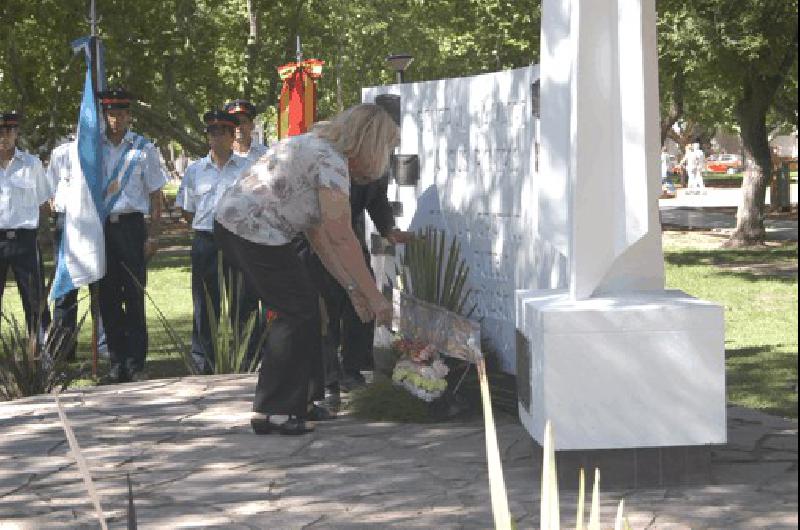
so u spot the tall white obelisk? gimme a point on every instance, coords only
(614, 360)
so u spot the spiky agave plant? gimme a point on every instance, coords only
(31, 364)
(550, 510)
(229, 341)
(230, 334)
(434, 272)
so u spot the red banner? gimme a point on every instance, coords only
(297, 107)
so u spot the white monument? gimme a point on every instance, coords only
(558, 221)
(614, 360)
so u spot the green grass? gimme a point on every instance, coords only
(760, 317)
(383, 401)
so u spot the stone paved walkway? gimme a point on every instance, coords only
(193, 461)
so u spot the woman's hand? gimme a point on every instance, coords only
(382, 309)
(361, 307)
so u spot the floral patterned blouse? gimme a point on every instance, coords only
(278, 198)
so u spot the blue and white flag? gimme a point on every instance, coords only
(81, 256)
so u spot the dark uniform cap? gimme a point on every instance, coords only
(115, 98)
(9, 120)
(220, 117)
(241, 106)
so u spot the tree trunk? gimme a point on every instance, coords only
(675, 106)
(752, 113)
(251, 54)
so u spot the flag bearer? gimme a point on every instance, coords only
(244, 144)
(135, 176)
(203, 184)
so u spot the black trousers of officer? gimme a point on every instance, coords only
(19, 251)
(205, 279)
(293, 341)
(65, 308)
(121, 299)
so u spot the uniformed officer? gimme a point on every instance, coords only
(24, 190)
(133, 169)
(203, 184)
(63, 168)
(243, 143)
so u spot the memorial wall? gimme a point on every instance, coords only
(476, 139)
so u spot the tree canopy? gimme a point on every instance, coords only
(182, 57)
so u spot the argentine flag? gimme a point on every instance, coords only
(81, 256)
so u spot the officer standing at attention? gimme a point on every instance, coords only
(62, 170)
(203, 184)
(243, 144)
(24, 190)
(135, 175)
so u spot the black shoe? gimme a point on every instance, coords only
(295, 426)
(263, 425)
(319, 413)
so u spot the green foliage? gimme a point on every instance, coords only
(228, 338)
(711, 51)
(383, 401)
(434, 275)
(182, 57)
(30, 366)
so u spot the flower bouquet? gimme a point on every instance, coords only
(420, 369)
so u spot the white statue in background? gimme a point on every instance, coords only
(694, 161)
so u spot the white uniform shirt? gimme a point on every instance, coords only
(63, 168)
(278, 198)
(204, 183)
(148, 175)
(23, 188)
(256, 151)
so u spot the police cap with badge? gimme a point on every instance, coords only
(9, 120)
(217, 119)
(115, 98)
(241, 106)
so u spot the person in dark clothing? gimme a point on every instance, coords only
(347, 344)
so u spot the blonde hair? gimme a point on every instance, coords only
(366, 133)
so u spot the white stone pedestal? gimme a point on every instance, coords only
(630, 371)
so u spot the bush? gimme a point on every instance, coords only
(30, 365)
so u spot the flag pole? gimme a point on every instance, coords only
(97, 82)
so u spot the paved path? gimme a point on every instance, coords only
(715, 210)
(194, 463)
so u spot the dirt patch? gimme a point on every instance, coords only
(704, 239)
(781, 270)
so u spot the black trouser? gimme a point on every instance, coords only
(205, 279)
(345, 330)
(121, 292)
(65, 308)
(19, 251)
(293, 341)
